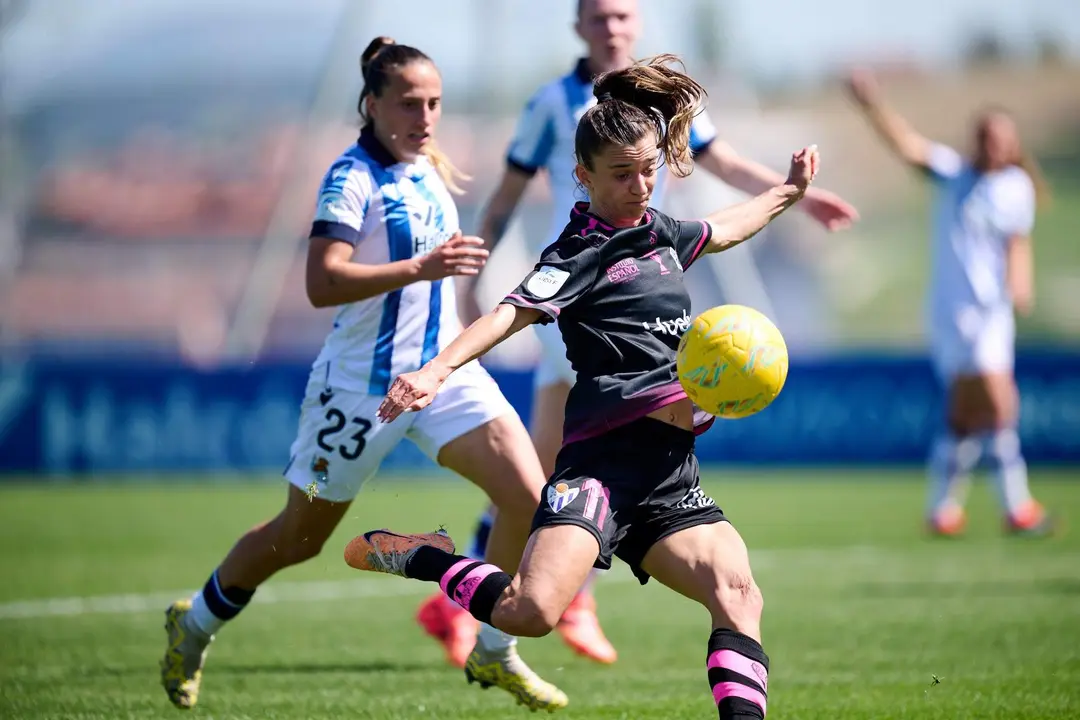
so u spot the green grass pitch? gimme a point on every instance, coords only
(862, 612)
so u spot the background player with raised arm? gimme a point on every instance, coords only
(982, 273)
(627, 481)
(544, 140)
(384, 248)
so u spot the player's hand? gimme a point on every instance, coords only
(460, 255)
(829, 209)
(804, 167)
(863, 87)
(408, 393)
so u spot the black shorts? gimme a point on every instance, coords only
(630, 488)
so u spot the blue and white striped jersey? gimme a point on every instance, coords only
(544, 138)
(388, 211)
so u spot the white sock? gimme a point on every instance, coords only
(201, 619)
(1008, 468)
(951, 462)
(492, 639)
(589, 580)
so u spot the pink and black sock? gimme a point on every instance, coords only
(738, 675)
(472, 584)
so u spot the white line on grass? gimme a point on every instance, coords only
(321, 591)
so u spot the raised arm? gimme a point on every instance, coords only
(415, 391)
(753, 178)
(738, 223)
(912, 147)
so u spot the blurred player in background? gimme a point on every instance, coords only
(982, 273)
(544, 139)
(384, 248)
(627, 482)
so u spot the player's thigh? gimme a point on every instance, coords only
(709, 563)
(472, 429)
(307, 523)
(984, 401)
(977, 366)
(339, 443)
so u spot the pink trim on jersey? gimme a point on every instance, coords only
(594, 222)
(530, 303)
(730, 689)
(454, 570)
(651, 401)
(700, 243)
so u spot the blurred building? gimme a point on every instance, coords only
(155, 153)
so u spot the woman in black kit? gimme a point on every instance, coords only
(626, 481)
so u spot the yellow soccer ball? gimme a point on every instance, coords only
(732, 362)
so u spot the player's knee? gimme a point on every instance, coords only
(529, 618)
(737, 597)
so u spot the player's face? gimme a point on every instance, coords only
(622, 180)
(610, 28)
(997, 142)
(408, 111)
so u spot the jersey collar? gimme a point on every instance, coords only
(582, 72)
(375, 149)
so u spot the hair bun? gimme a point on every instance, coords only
(373, 49)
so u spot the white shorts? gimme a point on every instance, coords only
(976, 341)
(553, 366)
(340, 443)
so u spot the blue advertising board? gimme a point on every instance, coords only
(86, 417)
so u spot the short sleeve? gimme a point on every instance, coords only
(557, 281)
(344, 197)
(534, 136)
(1013, 196)
(944, 163)
(689, 238)
(702, 134)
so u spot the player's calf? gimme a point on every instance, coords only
(737, 664)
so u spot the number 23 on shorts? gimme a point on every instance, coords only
(329, 433)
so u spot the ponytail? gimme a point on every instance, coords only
(648, 96)
(446, 169)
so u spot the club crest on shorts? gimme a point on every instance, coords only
(320, 468)
(560, 495)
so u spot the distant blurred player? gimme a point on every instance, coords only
(544, 140)
(982, 271)
(384, 248)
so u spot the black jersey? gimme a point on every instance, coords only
(621, 304)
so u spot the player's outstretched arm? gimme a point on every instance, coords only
(332, 278)
(912, 147)
(753, 178)
(415, 391)
(741, 222)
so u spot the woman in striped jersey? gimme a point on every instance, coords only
(385, 247)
